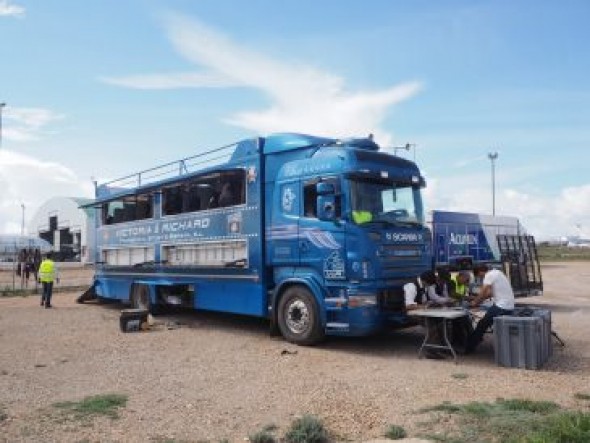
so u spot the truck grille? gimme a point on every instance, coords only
(392, 298)
(397, 252)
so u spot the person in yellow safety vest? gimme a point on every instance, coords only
(360, 217)
(459, 288)
(48, 273)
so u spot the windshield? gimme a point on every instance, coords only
(387, 202)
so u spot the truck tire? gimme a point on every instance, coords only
(140, 297)
(299, 317)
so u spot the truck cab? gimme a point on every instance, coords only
(347, 228)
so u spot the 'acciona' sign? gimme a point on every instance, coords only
(463, 239)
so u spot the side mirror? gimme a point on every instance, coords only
(323, 188)
(326, 207)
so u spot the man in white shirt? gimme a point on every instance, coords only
(495, 285)
(413, 295)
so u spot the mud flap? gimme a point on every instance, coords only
(274, 330)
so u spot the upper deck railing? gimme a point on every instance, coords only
(176, 168)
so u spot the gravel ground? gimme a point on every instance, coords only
(202, 376)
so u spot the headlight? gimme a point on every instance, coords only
(366, 267)
(358, 301)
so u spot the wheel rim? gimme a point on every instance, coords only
(297, 317)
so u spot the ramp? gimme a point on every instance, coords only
(89, 294)
(521, 264)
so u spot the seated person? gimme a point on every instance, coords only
(448, 288)
(443, 282)
(437, 295)
(415, 297)
(226, 196)
(497, 287)
(459, 291)
(459, 286)
(213, 201)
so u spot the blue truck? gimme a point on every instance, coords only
(462, 240)
(318, 235)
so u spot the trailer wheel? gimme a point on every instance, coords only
(298, 317)
(140, 297)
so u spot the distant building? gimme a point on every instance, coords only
(69, 229)
(554, 241)
(576, 241)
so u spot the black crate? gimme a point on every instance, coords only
(133, 320)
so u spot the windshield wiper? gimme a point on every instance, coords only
(381, 221)
(406, 223)
(387, 222)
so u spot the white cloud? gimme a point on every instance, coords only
(27, 124)
(553, 215)
(171, 81)
(302, 98)
(11, 9)
(26, 180)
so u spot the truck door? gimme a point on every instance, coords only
(321, 242)
(283, 233)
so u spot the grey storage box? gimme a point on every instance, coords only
(546, 337)
(519, 342)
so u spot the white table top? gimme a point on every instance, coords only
(438, 312)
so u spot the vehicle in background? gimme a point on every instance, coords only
(462, 240)
(318, 235)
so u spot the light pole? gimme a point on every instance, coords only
(22, 226)
(1, 107)
(493, 156)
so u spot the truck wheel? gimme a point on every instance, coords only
(298, 316)
(140, 297)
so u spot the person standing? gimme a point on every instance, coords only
(36, 263)
(20, 269)
(47, 275)
(497, 287)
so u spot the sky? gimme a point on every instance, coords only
(99, 89)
